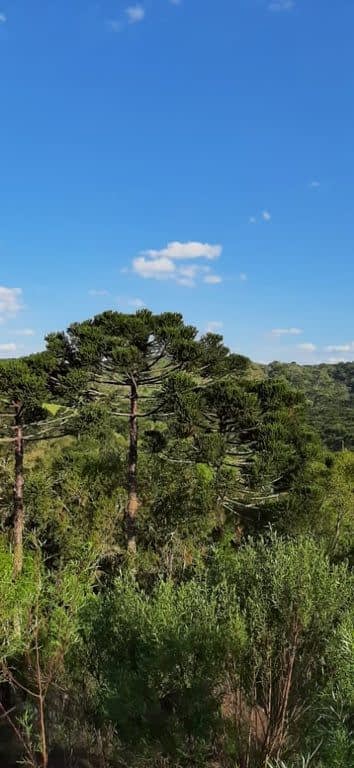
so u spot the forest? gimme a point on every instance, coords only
(176, 553)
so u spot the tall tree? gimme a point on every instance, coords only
(23, 393)
(130, 357)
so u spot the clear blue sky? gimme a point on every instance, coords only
(228, 124)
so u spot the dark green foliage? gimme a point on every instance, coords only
(329, 390)
(208, 648)
(161, 667)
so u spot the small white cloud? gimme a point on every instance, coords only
(6, 348)
(307, 346)
(335, 360)
(252, 220)
(173, 262)
(175, 2)
(190, 250)
(243, 277)
(281, 5)
(25, 332)
(266, 216)
(135, 13)
(213, 326)
(10, 301)
(3, 18)
(212, 279)
(98, 292)
(160, 268)
(127, 301)
(348, 347)
(136, 303)
(286, 332)
(314, 184)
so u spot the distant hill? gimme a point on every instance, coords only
(329, 390)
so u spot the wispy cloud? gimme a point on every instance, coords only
(278, 332)
(98, 292)
(307, 346)
(189, 250)
(348, 347)
(5, 349)
(3, 18)
(243, 277)
(213, 326)
(175, 2)
(336, 360)
(25, 332)
(126, 301)
(314, 184)
(135, 13)
(264, 215)
(281, 5)
(10, 302)
(212, 279)
(173, 262)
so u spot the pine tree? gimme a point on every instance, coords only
(118, 357)
(23, 392)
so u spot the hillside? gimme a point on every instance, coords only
(329, 390)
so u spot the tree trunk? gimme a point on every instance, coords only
(132, 506)
(19, 512)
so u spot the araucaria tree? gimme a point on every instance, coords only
(23, 392)
(22, 395)
(130, 358)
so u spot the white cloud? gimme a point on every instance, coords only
(213, 326)
(243, 277)
(175, 2)
(314, 184)
(189, 250)
(307, 346)
(98, 292)
(349, 347)
(127, 301)
(4, 348)
(266, 216)
(281, 5)
(173, 262)
(10, 302)
(286, 332)
(160, 269)
(252, 220)
(212, 279)
(336, 360)
(135, 13)
(25, 332)
(3, 18)
(137, 303)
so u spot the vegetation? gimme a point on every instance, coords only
(329, 390)
(176, 554)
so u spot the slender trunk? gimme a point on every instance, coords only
(19, 512)
(132, 506)
(41, 695)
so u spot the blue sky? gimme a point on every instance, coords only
(194, 155)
